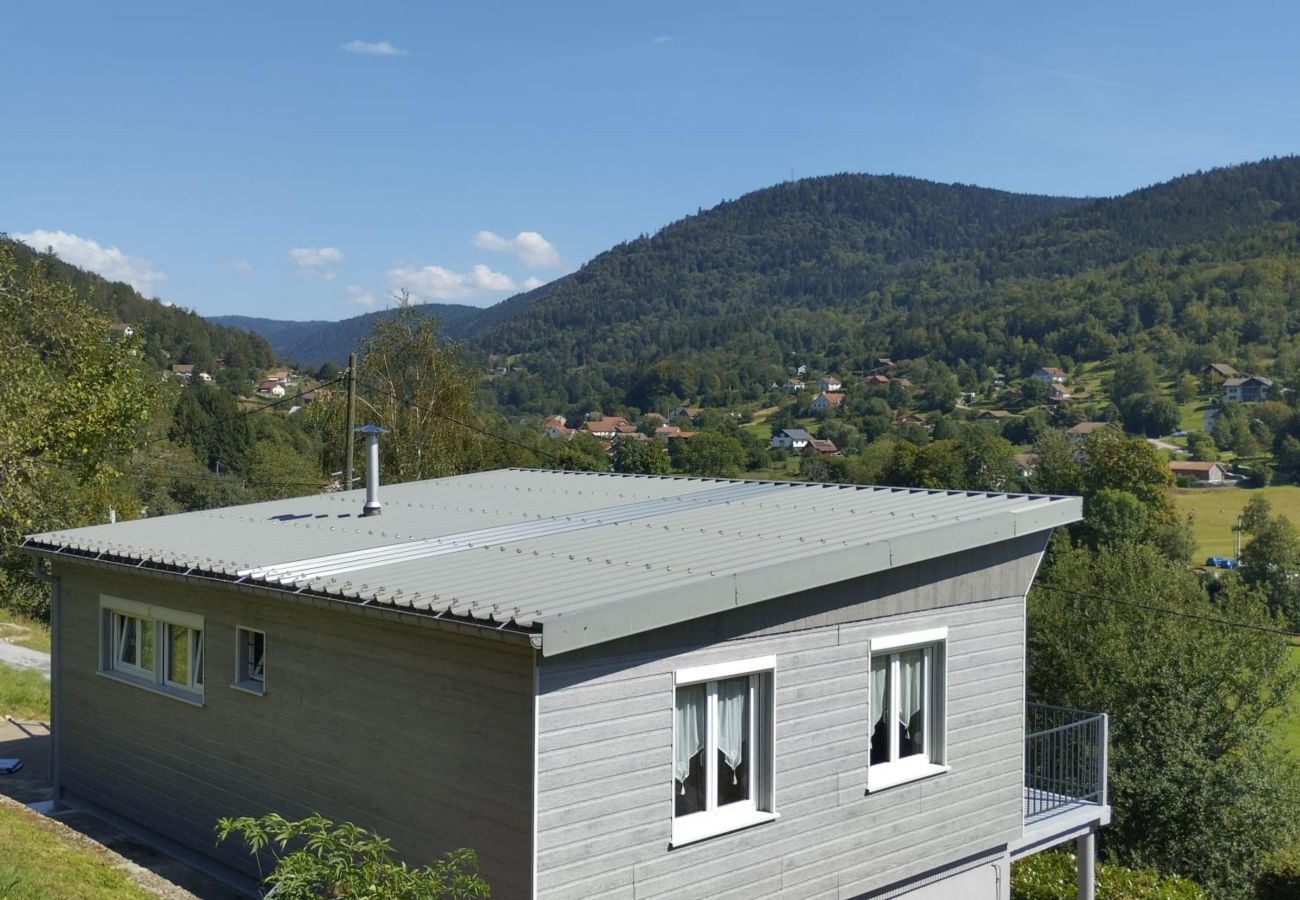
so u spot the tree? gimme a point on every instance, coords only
(646, 457)
(709, 453)
(1202, 448)
(72, 407)
(1272, 558)
(1198, 787)
(1185, 386)
(421, 389)
(346, 860)
(207, 420)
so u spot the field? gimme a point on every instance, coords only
(1216, 511)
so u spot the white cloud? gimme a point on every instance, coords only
(532, 281)
(242, 266)
(359, 296)
(110, 262)
(316, 262)
(528, 247)
(437, 283)
(373, 48)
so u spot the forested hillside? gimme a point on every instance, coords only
(310, 344)
(733, 298)
(169, 334)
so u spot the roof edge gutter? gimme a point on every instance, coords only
(439, 621)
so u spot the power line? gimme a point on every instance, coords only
(1171, 612)
(483, 431)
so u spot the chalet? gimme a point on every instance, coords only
(269, 388)
(824, 697)
(823, 447)
(792, 385)
(912, 419)
(670, 433)
(684, 412)
(826, 401)
(1077, 435)
(1220, 372)
(996, 415)
(829, 384)
(877, 380)
(605, 426)
(119, 330)
(1200, 472)
(1026, 464)
(790, 439)
(279, 376)
(1058, 394)
(183, 371)
(1250, 389)
(1050, 375)
(556, 428)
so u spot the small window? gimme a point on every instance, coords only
(250, 668)
(907, 712)
(153, 647)
(722, 749)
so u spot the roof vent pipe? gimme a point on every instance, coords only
(372, 433)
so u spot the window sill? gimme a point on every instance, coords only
(699, 826)
(250, 687)
(190, 697)
(887, 775)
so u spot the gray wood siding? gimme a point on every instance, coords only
(419, 734)
(605, 743)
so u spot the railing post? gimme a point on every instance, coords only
(1105, 753)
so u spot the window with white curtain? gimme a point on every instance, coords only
(907, 708)
(152, 647)
(723, 727)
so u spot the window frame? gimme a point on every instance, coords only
(933, 760)
(760, 807)
(244, 679)
(158, 622)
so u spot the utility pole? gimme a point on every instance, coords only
(351, 421)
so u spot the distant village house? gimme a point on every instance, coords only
(1251, 389)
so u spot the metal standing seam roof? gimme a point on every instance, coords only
(571, 558)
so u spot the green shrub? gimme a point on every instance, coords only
(316, 858)
(1280, 879)
(1051, 876)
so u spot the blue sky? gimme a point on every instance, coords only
(303, 160)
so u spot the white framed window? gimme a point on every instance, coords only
(250, 661)
(152, 647)
(907, 708)
(723, 748)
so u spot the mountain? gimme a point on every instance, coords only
(314, 342)
(836, 271)
(170, 334)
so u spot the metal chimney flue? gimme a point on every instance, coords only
(372, 433)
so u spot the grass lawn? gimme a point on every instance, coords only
(1216, 511)
(38, 861)
(18, 629)
(24, 695)
(1288, 731)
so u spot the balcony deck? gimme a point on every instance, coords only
(1065, 777)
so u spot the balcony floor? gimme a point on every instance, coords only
(1072, 819)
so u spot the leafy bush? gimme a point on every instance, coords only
(347, 861)
(1280, 879)
(1051, 876)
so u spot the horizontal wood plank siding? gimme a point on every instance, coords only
(422, 735)
(605, 743)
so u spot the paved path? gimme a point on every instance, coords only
(1165, 445)
(22, 658)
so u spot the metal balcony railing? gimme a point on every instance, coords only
(1065, 759)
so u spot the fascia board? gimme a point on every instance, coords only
(644, 612)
